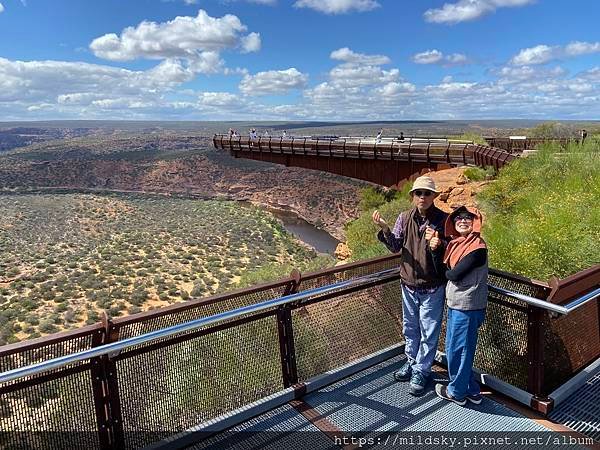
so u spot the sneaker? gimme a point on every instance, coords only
(404, 373)
(442, 392)
(475, 399)
(418, 381)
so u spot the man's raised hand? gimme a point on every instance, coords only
(378, 220)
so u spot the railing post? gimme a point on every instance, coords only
(106, 392)
(535, 359)
(289, 369)
(99, 390)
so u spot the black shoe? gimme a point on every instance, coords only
(418, 381)
(404, 373)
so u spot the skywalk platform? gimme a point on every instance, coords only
(371, 409)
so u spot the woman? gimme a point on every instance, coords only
(465, 259)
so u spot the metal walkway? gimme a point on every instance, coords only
(367, 404)
(581, 412)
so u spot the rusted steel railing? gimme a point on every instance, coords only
(313, 323)
(519, 145)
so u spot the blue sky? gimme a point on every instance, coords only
(299, 59)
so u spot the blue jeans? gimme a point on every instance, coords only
(421, 322)
(461, 341)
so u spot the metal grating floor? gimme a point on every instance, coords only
(372, 400)
(367, 404)
(581, 412)
(274, 430)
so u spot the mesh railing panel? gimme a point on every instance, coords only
(502, 340)
(570, 343)
(312, 282)
(130, 328)
(502, 343)
(173, 388)
(39, 351)
(56, 414)
(56, 410)
(334, 332)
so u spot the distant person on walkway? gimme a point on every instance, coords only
(417, 236)
(466, 267)
(284, 134)
(266, 134)
(401, 141)
(583, 136)
(231, 132)
(378, 140)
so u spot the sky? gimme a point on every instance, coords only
(331, 60)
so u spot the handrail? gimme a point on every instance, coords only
(564, 310)
(116, 347)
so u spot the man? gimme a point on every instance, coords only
(422, 287)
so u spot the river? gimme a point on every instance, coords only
(317, 238)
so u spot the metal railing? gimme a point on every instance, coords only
(166, 370)
(114, 348)
(543, 304)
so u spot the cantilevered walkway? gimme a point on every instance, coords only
(368, 408)
(386, 161)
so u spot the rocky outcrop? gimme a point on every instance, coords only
(456, 189)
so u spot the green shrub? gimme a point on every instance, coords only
(543, 214)
(479, 174)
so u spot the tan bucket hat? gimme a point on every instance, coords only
(424, 182)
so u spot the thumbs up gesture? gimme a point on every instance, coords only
(429, 232)
(435, 241)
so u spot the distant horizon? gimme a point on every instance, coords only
(309, 122)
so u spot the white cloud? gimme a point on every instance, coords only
(219, 99)
(190, 2)
(251, 43)
(337, 6)
(71, 83)
(465, 10)
(273, 82)
(428, 57)
(347, 55)
(207, 62)
(582, 48)
(456, 59)
(541, 54)
(352, 75)
(182, 37)
(263, 2)
(394, 88)
(1, 8)
(437, 57)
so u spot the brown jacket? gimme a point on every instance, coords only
(417, 267)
